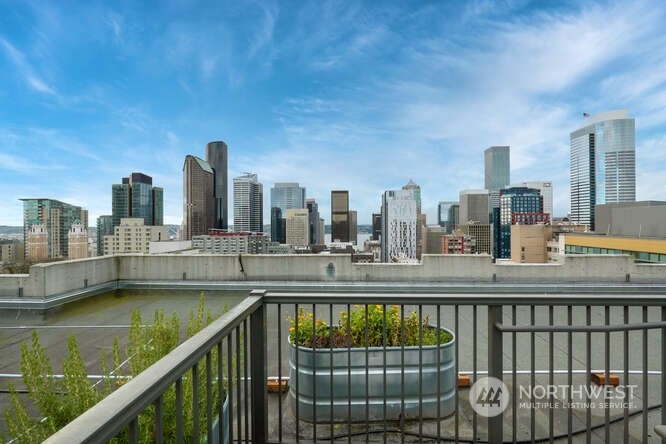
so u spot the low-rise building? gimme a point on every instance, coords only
(641, 249)
(529, 243)
(132, 236)
(222, 242)
(480, 232)
(458, 243)
(11, 251)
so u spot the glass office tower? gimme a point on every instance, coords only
(602, 165)
(285, 196)
(136, 197)
(57, 218)
(217, 158)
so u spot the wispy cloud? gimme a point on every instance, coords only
(25, 70)
(15, 163)
(355, 95)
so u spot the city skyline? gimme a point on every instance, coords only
(354, 96)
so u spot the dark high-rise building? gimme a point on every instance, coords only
(376, 226)
(278, 226)
(217, 157)
(198, 197)
(104, 228)
(340, 216)
(316, 238)
(136, 197)
(454, 215)
(525, 203)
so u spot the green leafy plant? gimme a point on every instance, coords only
(366, 326)
(54, 402)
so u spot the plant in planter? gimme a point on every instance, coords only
(376, 363)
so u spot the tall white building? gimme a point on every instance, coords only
(298, 227)
(546, 189)
(248, 204)
(399, 218)
(602, 164)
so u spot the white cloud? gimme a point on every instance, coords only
(25, 70)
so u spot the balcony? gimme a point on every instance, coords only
(581, 363)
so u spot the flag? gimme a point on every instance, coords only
(586, 115)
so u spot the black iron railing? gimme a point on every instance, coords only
(574, 365)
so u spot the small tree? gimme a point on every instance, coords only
(56, 402)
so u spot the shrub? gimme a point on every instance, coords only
(55, 402)
(366, 326)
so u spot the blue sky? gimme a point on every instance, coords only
(334, 95)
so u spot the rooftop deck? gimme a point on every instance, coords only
(528, 336)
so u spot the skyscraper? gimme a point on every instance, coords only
(198, 200)
(497, 172)
(136, 197)
(248, 204)
(602, 164)
(399, 218)
(546, 189)
(104, 228)
(217, 155)
(420, 217)
(443, 209)
(514, 201)
(285, 196)
(316, 238)
(278, 226)
(56, 219)
(340, 216)
(298, 230)
(376, 226)
(353, 227)
(473, 206)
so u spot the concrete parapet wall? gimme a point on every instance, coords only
(10, 284)
(178, 267)
(51, 279)
(60, 277)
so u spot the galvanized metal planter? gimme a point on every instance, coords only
(373, 384)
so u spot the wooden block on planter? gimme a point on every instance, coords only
(600, 379)
(275, 385)
(464, 380)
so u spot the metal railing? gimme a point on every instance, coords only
(548, 349)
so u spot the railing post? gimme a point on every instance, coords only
(495, 368)
(663, 370)
(258, 372)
